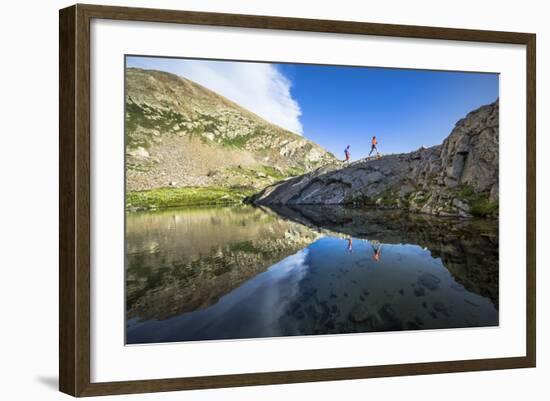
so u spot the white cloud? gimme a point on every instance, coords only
(258, 87)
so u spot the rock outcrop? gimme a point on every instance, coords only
(457, 178)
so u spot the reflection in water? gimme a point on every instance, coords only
(183, 260)
(376, 250)
(244, 272)
(350, 244)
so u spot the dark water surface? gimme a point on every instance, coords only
(244, 272)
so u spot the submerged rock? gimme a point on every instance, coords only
(359, 314)
(429, 281)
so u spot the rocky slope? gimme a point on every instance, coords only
(181, 134)
(457, 178)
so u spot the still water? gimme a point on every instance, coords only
(245, 272)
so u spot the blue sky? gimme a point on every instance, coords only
(337, 106)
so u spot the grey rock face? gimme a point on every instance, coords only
(457, 178)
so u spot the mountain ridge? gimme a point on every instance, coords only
(181, 134)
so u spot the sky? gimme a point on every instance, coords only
(336, 106)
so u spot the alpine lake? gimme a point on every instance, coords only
(235, 272)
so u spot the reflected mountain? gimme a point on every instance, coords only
(246, 272)
(183, 260)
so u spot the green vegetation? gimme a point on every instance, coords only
(239, 141)
(153, 118)
(479, 202)
(189, 196)
(205, 123)
(485, 208)
(268, 171)
(389, 198)
(246, 246)
(295, 171)
(150, 118)
(418, 199)
(277, 174)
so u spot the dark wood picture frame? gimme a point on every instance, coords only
(74, 199)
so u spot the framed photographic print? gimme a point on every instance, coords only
(250, 200)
